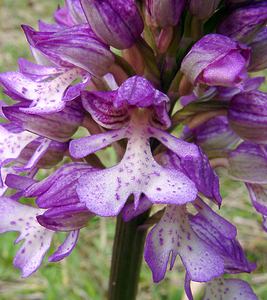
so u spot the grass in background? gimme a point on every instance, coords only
(84, 275)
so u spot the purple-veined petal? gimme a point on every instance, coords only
(222, 242)
(73, 47)
(222, 225)
(22, 218)
(190, 159)
(101, 107)
(65, 217)
(87, 145)
(229, 289)
(66, 248)
(59, 126)
(60, 187)
(174, 236)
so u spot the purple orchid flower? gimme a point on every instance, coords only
(136, 111)
(216, 60)
(58, 209)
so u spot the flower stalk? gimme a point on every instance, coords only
(127, 258)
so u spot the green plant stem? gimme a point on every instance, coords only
(127, 258)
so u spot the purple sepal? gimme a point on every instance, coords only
(116, 22)
(72, 47)
(216, 60)
(247, 116)
(165, 13)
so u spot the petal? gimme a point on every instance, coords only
(87, 145)
(190, 160)
(173, 234)
(22, 218)
(12, 142)
(229, 249)
(100, 106)
(59, 188)
(46, 97)
(229, 289)
(65, 217)
(66, 248)
(59, 126)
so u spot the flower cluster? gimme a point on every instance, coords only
(129, 73)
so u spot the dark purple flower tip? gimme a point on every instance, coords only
(247, 115)
(259, 49)
(216, 60)
(203, 9)
(116, 22)
(165, 12)
(248, 163)
(215, 134)
(244, 22)
(76, 46)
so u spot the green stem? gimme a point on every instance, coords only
(127, 258)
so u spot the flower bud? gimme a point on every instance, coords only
(203, 9)
(116, 22)
(244, 22)
(247, 115)
(259, 51)
(165, 12)
(216, 60)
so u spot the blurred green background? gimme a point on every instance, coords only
(84, 275)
